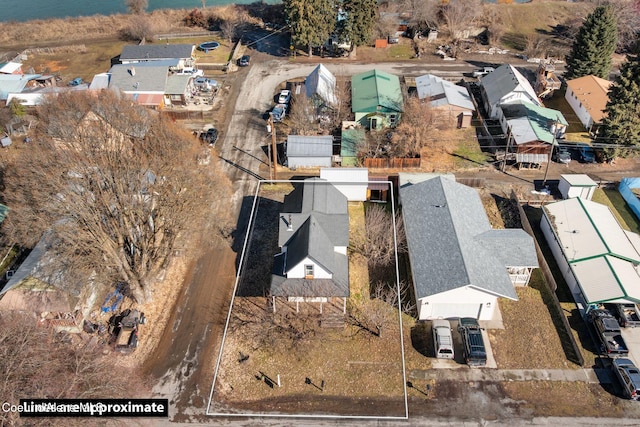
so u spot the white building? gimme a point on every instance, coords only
(352, 182)
(577, 185)
(588, 98)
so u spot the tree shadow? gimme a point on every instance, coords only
(421, 339)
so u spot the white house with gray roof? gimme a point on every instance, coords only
(598, 258)
(460, 266)
(184, 53)
(314, 235)
(506, 85)
(145, 83)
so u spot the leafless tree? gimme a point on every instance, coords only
(118, 185)
(416, 129)
(424, 12)
(139, 28)
(35, 362)
(492, 18)
(460, 15)
(377, 313)
(536, 45)
(303, 119)
(342, 92)
(137, 7)
(228, 28)
(380, 247)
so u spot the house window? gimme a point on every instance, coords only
(308, 271)
(374, 123)
(393, 119)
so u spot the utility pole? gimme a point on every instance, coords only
(553, 144)
(272, 128)
(506, 150)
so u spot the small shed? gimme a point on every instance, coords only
(576, 185)
(309, 151)
(352, 182)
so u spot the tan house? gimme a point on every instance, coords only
(588, 98)
(450, 102)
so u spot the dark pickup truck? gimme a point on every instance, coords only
(627, 314)
(608, 332)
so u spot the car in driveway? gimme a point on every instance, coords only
(629, 377)
(586, 153)
(442, 339)
(562, 155)
(284, 97)
(473, 349)
(210, 136)
(244, 61)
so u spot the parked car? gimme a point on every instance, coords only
(279, 112)
(629, 377)
(562, 155)
(204, 83)
(473, 348)
(586, 153)
(628, 315)
(284, 97)
(76, 82)
(483, 72)
(244, 61)
(608, 332)
(210, 136)
(442, 339)
(393, 39)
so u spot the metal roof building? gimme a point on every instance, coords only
(441, 92)
(321, 83)
(598, 258)
(309, 151)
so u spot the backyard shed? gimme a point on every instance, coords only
(309, 151)
(351, 182)
(577, 185)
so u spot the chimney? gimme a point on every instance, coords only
(132, 70)
(290, 224)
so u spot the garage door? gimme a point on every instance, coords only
(444, 310)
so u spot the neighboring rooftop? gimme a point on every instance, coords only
(309, 146)
(593, 93)
(441, 92)
(529, 122)
(321, 83)
(504, 81)
(148, 52)
(376, 91)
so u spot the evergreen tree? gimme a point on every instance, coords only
(311, 21)
(594, 45)
(621, 125)
(361, 17)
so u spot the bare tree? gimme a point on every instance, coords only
(416, 129)
(137, 7)
(536, 45)
(117, 185)
(460, 15)
(380, 247)
(303, 119)
(492, 18)
(139, 28)
(424, 12)
(228, 28)
(342, 91)
(35, 362)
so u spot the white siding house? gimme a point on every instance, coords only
(506, 85)
(588, 98)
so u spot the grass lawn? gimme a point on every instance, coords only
(576, 131)
(620, 209)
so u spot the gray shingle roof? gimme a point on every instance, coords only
(177, 84)
(156, 51)
(143, 79)
(445, 222)
(504, 80)
(309, 146)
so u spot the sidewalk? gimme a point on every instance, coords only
(594, 376)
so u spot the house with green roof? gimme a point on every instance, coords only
(532, 129)
(597, 257)
(376, 99)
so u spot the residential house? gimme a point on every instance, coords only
(376, 99)
(588, 98)
(313, 236)
(597, 257)
(48, 294)
(506, 85)
(460, 265)
(11, 68)
(320, 86)
(38, 88)
(179, 89)
(183, 53)
(145, 83)
(532, 130)
(449, 102)
(309, 151)
(15, 83)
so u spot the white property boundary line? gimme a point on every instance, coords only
(235, 288)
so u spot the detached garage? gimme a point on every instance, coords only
(309, 151)
(460, 266)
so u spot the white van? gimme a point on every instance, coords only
(442, 339)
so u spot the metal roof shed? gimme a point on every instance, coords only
(577, 185)
(309, 151)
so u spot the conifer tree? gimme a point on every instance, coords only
(361, 19)
(594, 45)
(621, 125)
(311, 21)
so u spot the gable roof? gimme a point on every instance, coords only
(309, 146)
(147, 78)
(451, 242)
(442, 92)
(10, 67)
(14, 83)
(529, 122)
(376, 91)
(321, 83)
(505, 80)
(148, 52)
(593, 93)
(602, 255)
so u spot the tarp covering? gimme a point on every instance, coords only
(629, 196)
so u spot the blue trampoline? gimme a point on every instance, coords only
(207, 46)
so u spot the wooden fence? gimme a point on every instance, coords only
(392, 163)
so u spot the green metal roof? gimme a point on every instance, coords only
(527, 120)
(4, 210)
(375, 91)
